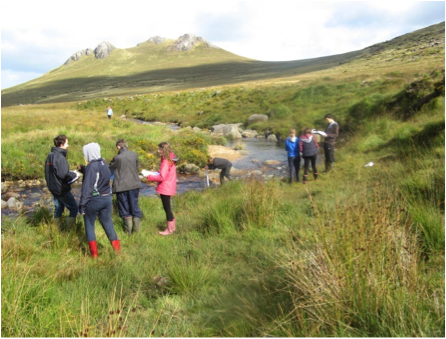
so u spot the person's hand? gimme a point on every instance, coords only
(81, 168)
(145, 173)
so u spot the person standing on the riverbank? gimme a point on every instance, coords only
(309, 148)
(330, 134)
(219, 163)
(58, 179)
(167, 183)
(126, 185)
(292, 148)
(96, 198)
(109, 112)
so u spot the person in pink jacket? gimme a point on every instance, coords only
(167, 182)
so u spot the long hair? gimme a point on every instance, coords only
(165, 152)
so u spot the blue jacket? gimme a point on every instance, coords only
(292, 147)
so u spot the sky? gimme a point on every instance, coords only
(38, 36)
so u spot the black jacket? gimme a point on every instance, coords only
(125, 166)
(219, 163)
(96, 182)
(57, 172)
(332, 131)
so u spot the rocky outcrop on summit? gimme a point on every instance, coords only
(156, 40)
(79, 54)
(187, 42)
(103, 50)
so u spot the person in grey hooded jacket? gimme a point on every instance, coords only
(126, 184)
(96, 198)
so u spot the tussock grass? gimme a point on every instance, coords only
(359, 252)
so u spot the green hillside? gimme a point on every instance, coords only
(150, 67)
(359, 252)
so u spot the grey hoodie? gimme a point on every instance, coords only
(92, 151)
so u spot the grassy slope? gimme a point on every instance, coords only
(356, 253)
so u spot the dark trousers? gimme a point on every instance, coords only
(307, 161)
(225, 173)
(128, 204)
(329, 154)
(294, 164)
(99, 206)
(67, 200)
(165, 199)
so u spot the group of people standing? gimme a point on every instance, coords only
(307, 147)
(96, 192)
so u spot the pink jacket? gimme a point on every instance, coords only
(167, 179)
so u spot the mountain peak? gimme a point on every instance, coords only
(186, 42)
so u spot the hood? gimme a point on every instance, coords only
(92, 151)
(307, 138)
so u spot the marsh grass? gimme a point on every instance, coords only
(359, 252)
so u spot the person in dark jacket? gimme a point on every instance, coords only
(309, 148)
(126, 186)
(96, 198)
(331, 133)
(292, 148)
(58, 178)
(219, 163)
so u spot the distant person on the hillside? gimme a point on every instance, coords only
(58, 179)
(96, 198)
(167, 182)
(126, 185)
(309, 148)
(219, 163)
(330, 134)
(292, 148)
(109, 112)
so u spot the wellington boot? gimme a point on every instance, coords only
(58, 222)
(116, 245)
(128, 225)
(71, 223)
(136, 224)
(315, 176)
(170, 228)
(93, 248)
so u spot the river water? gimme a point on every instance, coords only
(257, 151)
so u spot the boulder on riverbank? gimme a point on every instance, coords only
(217, 151)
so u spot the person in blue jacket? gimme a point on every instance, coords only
(292, 147)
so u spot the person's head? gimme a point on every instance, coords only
(292, 132)
(121, 143)
(307, 131)
(61, 141)
(164, 151)
(92, 151)
(210, 160)
(329, 118)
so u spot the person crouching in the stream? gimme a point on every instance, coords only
(309, 148)
(292, 147)
(167, 182)
(96, 198)
(219, 163)
(126, 185)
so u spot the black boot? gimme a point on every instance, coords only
(315, 176)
